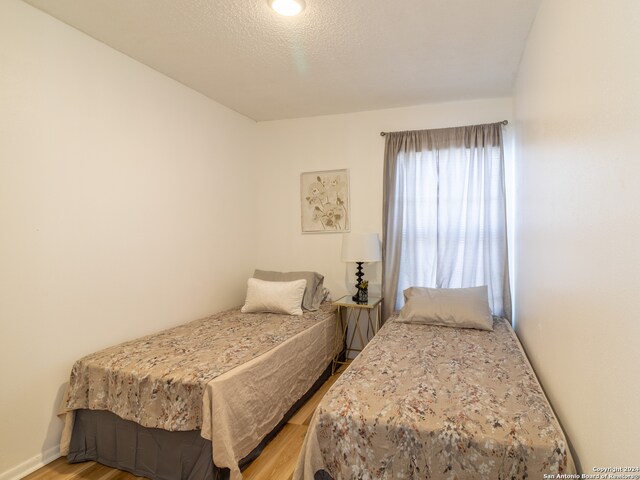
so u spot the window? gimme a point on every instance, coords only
(445, 214)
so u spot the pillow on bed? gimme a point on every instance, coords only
(274, 297)
(313, 293)
(451, 307)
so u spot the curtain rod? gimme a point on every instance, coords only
(503, 122)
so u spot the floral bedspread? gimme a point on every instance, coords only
(431, 402)
(158, 381)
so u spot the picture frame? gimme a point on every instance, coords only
(324, 201)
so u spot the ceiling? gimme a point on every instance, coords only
(337, 56)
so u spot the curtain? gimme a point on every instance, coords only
(444, 213)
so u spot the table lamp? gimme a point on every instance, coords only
(360, 248)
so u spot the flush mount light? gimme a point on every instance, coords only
(288, 8)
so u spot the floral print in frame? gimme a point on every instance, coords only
(325, 201)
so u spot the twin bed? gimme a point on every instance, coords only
(443, 391)
(435, 402)
(193, 401)
(421, 401)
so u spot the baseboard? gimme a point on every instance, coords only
(31, 465)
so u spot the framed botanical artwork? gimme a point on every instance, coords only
(324, 200)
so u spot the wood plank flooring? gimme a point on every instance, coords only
(276, 462)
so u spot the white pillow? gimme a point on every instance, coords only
(313, 293)
(450, 307)
(274, 297)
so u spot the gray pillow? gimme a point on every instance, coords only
(312, 294)
(451, 307)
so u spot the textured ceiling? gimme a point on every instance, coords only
(337, 56)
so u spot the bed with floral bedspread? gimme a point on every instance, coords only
(231, 377)
(435, 402)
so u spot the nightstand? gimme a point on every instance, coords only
(350, 311)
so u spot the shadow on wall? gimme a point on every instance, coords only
(49, 452)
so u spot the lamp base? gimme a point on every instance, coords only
(359, 275)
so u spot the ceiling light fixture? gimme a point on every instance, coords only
(288, 8)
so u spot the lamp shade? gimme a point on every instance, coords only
(361, 247)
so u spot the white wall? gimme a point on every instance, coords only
(578, 116)
(352, 141)
(123, 210)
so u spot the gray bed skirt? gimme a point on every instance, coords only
(154, 453)
(148, 452)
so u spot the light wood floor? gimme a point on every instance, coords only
(276, 462)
